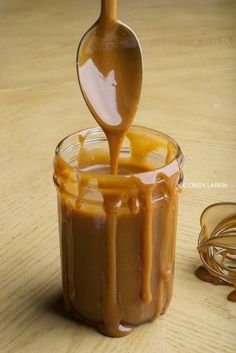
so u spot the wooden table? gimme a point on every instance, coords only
(188, 92)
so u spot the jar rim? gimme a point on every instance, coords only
(168, 169)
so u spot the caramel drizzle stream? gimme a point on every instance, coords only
(146, 244)
(110, 311)
(164, 285)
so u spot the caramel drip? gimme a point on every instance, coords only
(133, 203)
(115, 141)
(205, 276)
(108, 10)
(173, 189)
(141, 145)
(110, 310)
(232, 295)
(165, 263)
(111, 317)
(145, 199)
(64, 216)
(70, 246)
(82, 155)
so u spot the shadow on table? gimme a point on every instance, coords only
(57, 307)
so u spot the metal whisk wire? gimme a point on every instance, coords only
(217, 249)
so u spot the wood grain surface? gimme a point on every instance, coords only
(188, 92)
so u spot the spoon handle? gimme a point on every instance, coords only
(108, 10)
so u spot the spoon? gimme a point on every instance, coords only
(109, 68)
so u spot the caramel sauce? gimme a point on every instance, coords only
(204, 275)
(232, 296)
(131, 238)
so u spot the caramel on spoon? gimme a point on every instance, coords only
(109, 67)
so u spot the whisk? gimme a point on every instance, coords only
(217, 243)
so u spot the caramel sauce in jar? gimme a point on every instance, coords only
(117, 232)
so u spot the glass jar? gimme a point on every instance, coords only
(117, 232)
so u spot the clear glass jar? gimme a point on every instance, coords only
(117, 281)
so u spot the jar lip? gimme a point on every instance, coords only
(170, 168)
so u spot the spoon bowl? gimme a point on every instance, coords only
(109, 68)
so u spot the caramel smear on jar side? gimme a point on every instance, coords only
(217, 246)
